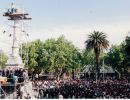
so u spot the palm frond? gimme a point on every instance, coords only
(97, 40)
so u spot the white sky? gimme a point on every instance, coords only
(75, 19)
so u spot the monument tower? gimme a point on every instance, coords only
(15, 15)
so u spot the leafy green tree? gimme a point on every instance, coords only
(88, 57)
(64, 55)
(97, 41)
(54, 56)
(3, 59)
(116, 58)
(29, 55)
(77, 62)
(126, 48)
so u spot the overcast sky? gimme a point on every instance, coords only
(73, 18)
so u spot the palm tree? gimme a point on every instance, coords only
(97, 41)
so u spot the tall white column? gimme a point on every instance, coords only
(16, 35)
(15, 61)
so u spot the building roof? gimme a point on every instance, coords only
(106, 69)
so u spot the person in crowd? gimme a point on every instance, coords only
(0, 72)
(3, 73)
(25, 76)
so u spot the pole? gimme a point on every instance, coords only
(14, 37)
(96, 77)
(103, 70)
(96, 73)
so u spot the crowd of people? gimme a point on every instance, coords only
(74, 88)
(82, 89)
(13, 75)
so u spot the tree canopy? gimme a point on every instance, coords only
(59, 55)
(52, 56)
(3, 59)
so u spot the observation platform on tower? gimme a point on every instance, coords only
(16, 14)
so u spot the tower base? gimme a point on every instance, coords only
(14, 63)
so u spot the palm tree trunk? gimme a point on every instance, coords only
(97, 65)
